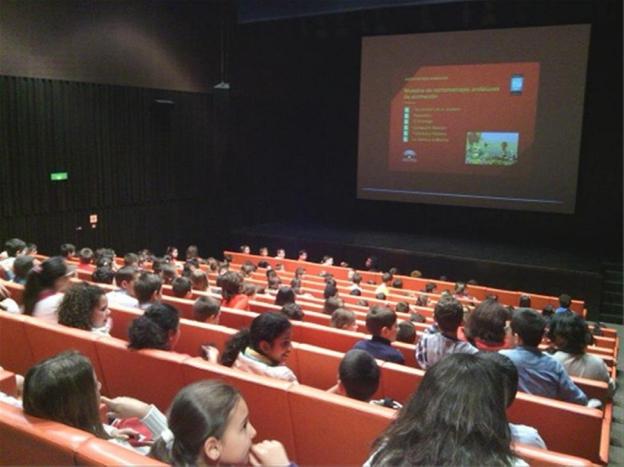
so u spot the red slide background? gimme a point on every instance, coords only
(499, 111)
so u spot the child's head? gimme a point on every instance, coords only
(210, 425)
(125, 278)
(199, 280)
(247, 268)
(528, 326)
(359, 375)
(397, 283)
(64, 389)
(302, 255)
(245, 249)
(330, 291)
(263, 251)
(230, 283)
(84, 306)
(281, 253)
(449, 314)
(86, 256)
(156, 329)
(147, 287)
(488, 322)
(14, 247)
(67, 250)
(381, 322)
(343, 319)
(22, 266)
(356, 292)
(103, 275)
(131, 259)
(181, 287)
(52, 274)
(168, 273)
(331, 305)
(268, 335)
(172, 252)
(406, 332)
(386, 278)
(524, 301)
(356, 278)
(292, 310)
(430, 287)
(207, 310)
(284, 296)
(570, 333)
(402, 307)
(565, 301)
(192, 252)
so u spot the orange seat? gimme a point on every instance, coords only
(399, 382)
(46, 340)
(15, 353)
(537, 457)
(565, 427)
(154, 376)
(330, 429)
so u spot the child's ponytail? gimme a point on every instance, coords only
(235, 345)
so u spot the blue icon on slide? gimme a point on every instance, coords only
(516, 84)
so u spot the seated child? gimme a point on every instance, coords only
(124, 294)
(157, 328)
(85, 256)
(263, 348)
(406, 332)
(381, 323)
(539, 373)
(343, 319)
(199, 280)
(209, 425)
(207, 310)
(292, 311)
(147, 289)
(441, 338)
(181, 287)
(85, 306)
(358, 378)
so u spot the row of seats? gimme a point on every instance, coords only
(506, 297)
(295, 414)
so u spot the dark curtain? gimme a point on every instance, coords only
(144, 159)
(120, 145)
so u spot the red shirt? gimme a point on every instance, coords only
(239, 302)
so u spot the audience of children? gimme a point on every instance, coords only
(441, 338)
(263, 348)
(85, 306)
(157, 328)
(538, 373)
(381, 322)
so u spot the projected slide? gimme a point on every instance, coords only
(453, 118)
(489, 118)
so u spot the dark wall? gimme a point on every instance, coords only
(297, 116)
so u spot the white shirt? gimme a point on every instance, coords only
(46, 309)
(526, 435)
(121, 297)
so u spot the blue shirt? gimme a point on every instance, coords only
(542, 375)
(562, 310)
(380, 348)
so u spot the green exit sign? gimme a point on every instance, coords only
(58, 176)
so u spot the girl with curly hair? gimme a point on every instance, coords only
(85, 306)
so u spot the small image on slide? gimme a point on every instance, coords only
(491, 148)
